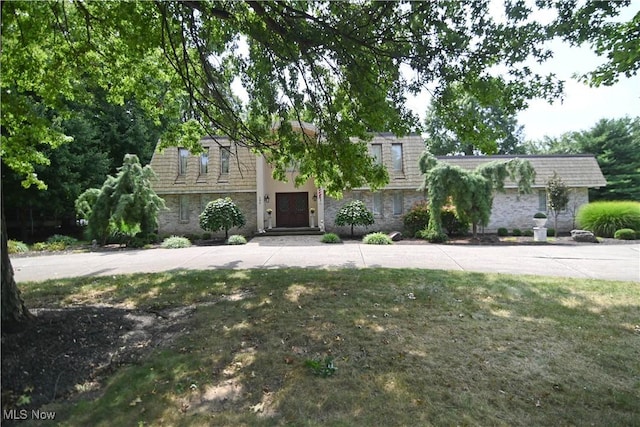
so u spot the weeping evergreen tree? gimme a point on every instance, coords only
(471, 192)
(126, 204)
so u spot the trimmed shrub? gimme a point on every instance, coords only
(433, 236)
(605, 218)
(39, 246)
(59, 238)
(416, 219)
(503, 232)
(528, 232)
(452, 223)
(330, 238)
(377, 239)
(354, 213)
(236, 239)
(137, 242)
(221, 214)
(53, 247)
(516, 232)
(551, 232)
(17, 247)
(540, 215)
(625, 234)
(176, 242)
(206, 236)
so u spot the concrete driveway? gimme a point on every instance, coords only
(597, 261)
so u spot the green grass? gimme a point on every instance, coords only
(409, 347)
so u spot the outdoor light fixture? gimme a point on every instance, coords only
(315, 197)
(266, 198)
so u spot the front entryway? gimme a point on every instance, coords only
(292, 209)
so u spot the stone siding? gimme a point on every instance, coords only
(170, 223)
(385, 221)
(511, 211)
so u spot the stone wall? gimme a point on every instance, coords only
(170, 223)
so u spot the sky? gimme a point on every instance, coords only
(582, 106)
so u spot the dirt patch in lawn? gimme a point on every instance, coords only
(68, 352)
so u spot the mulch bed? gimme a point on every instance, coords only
(67, 352)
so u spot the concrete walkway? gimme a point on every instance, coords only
(610, 262)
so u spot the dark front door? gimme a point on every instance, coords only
(292, 209)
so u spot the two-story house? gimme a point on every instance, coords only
(187, 183)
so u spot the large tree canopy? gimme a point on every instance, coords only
(616, 145)
(346, 67)
(465, 126)
(335, 64)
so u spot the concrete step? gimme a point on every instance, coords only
(291, 231)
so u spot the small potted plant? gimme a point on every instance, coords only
(269, 223)
(312, 217)
(540, 219)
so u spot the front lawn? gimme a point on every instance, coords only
(409, 347)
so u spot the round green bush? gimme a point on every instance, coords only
(540, 215)
(452, 222)
(17, 247)
(503, 232)
(236, 239)
(59, 238)
(605, 218)
(176, 242)
(516, 232)
(551, 232)
(377, 239)
(625, 234)
(330, 238)
(416, 219)
(39, 246)
(432, 236)
(528, 232)
(354, 213)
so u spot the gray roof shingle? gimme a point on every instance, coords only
(579, 170)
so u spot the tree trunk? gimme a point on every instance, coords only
(14, 312)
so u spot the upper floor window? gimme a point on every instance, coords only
(396, 157)
(183, 155)
(204, 162)
(376, 153)
(225, 156)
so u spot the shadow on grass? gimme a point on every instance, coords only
(411, 347)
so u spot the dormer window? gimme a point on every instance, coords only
(183, 155)
(204, 162)
(396, 158)
(225, 155)
(376, 153)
